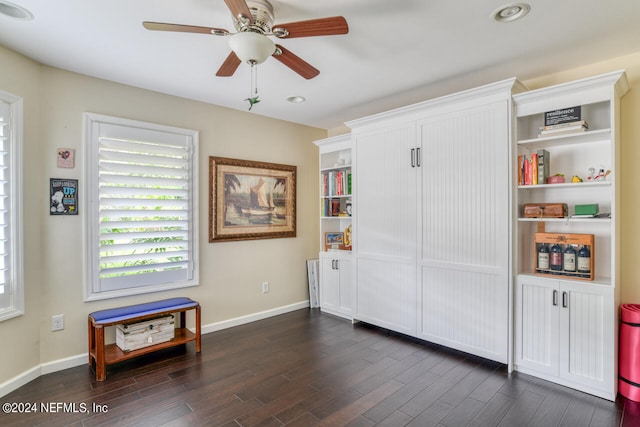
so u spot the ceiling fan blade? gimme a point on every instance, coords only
(240, 9)
(161, 26)
(314, 27)
(296, 63)
(229, 66)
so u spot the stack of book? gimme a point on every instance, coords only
(534, 169)
(336, 183)
(563, 128)
(563, 121)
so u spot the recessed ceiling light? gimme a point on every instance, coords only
(296, 99)
(511, 12)
(14, 11)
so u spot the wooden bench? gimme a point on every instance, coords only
(102, 355)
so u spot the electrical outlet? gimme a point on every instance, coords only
(265, 287)
(57, 322)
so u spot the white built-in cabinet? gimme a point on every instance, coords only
(565, 333)
(336, 284)
(432, 215)
(566, 330)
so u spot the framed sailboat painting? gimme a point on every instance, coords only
(251, 200)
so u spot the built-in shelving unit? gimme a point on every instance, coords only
(336, 181)
(566, 329)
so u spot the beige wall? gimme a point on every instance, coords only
(231, 273)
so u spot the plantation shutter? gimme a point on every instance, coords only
(5, 206)
(145, 206)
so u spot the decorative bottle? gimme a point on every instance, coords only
(569, 259)
(584, 260)
(543, 257)
(555, 259)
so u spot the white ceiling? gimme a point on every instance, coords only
(397, 52)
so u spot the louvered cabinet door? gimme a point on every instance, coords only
(464, 229)
(384, 228)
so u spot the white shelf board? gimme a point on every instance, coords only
(566, 184)
(567, 139)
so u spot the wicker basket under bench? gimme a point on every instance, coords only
(102, 355)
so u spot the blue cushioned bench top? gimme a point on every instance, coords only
(120, 314)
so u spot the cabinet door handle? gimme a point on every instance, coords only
(333, 264)
(413, 157)
(555, 297)
(418, 156)
(564, 300)
(337, 264)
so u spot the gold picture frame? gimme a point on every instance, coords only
(251, 200)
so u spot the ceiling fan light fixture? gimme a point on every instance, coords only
(252, 47)
(511, 12)
(14, 11)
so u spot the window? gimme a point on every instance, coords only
(141, 207)
(11, 270)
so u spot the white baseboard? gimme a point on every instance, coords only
(237, 321)
(66, 363)
(83, 359)
(19, 380)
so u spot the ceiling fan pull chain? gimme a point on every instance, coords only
(254, 79)
(253, 94)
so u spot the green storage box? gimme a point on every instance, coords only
(591, 209)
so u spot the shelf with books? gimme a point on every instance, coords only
(586, 161)
(336, 207)
(336, 182)
(335, 176)
(533, 121)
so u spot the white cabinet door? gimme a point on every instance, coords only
(464, 245)
(329, 284)
(586, 332)
(346, 286)
(384, 228)
(336, 284)
(565, 333)
(537, 325)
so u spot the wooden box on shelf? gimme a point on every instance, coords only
(583, 269)
(545, 210)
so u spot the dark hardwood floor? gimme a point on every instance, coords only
(310, 369)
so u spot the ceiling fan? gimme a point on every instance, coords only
(253, 20)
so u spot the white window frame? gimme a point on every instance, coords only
(94, 126)
(14, 263)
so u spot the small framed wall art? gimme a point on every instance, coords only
(63, 198)
(65, 158)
